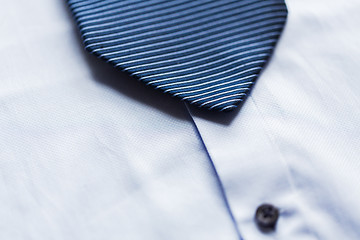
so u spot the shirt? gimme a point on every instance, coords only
(87, 152)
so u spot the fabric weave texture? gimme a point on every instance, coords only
(208, 53)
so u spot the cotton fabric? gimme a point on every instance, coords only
(89, 153)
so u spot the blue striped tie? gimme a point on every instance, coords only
(208, 53)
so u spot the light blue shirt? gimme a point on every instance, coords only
(89, 153)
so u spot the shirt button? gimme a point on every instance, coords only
(266, 217)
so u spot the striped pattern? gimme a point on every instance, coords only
(207, 52)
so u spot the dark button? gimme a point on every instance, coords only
(266, 217)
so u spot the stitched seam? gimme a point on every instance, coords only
(285, 162)
(220, 185)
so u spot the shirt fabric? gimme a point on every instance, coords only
(87, 152)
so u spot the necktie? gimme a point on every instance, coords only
(208, 53)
